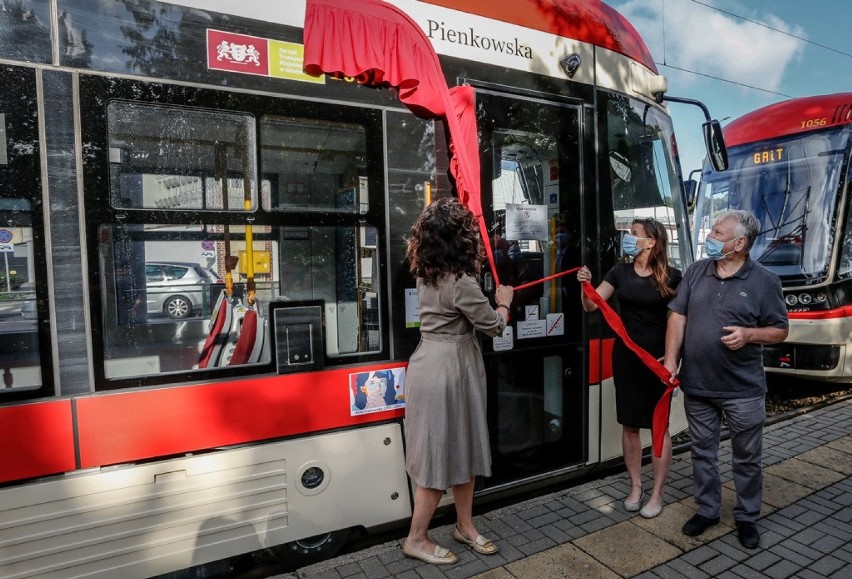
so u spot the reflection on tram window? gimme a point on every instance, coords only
(641, 174)
(339, 265)
(314, 165)
(19, 358)
(26, 31)
(162, 292)
(531, 411)
(163, 288)
(177, 158)
(642, 177)
(526, 181)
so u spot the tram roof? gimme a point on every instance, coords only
(789, 117)
(589, 21)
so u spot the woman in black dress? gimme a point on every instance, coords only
(644, 287)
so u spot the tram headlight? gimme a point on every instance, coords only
(807, 299)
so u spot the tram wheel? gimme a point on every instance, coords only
(312, 549)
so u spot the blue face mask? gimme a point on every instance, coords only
(628, 245)
(713, 248)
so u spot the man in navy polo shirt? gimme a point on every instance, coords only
(727, 307)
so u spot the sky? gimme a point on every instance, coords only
(726, 54)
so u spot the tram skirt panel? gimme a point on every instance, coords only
(139, 521)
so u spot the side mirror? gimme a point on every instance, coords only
(714, 141)
(689, 188)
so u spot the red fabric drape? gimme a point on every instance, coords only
(378, 44)
(661, 410)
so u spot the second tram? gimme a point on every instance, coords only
(789, 164)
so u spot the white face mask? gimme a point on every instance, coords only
(628, 244)
(713, 248)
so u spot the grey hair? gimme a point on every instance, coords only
(746, 224)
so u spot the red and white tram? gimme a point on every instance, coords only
(205, 311)
(790, 165)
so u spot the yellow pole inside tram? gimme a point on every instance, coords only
(247, 185)
(250, 287)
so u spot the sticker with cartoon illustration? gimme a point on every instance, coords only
(377, 390)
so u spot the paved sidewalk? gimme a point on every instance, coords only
(584, 532)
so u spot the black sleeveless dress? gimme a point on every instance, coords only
(644, 313)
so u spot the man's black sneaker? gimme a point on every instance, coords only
(748, 535)
(698, 524)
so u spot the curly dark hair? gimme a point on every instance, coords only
(444, 240)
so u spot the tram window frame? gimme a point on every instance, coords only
(22, 207)
(96, 92)
(844, 259)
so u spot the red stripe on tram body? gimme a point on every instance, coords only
(130, 426)
(836, 313)
(600, 360)
(38, 439)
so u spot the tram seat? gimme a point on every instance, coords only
(218, 336)
(250, 342)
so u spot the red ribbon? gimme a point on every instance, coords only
(660, 423)
(544, 279)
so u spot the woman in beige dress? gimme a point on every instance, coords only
(446, 432)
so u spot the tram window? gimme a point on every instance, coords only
(26, 32)
(25, 358)
(339, 265)
(642, 174)
(19, 360)
(160, 288)
(176, 158)
(314, 165)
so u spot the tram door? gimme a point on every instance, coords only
(531, 185)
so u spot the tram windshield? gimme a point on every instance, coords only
(791, 185)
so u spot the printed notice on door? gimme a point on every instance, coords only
(526, 221)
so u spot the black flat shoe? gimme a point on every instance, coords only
(748, 535)
(698, 524)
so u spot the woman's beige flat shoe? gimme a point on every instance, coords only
(442, 556)
(480, 544)
(649, 512)
(633, 507)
